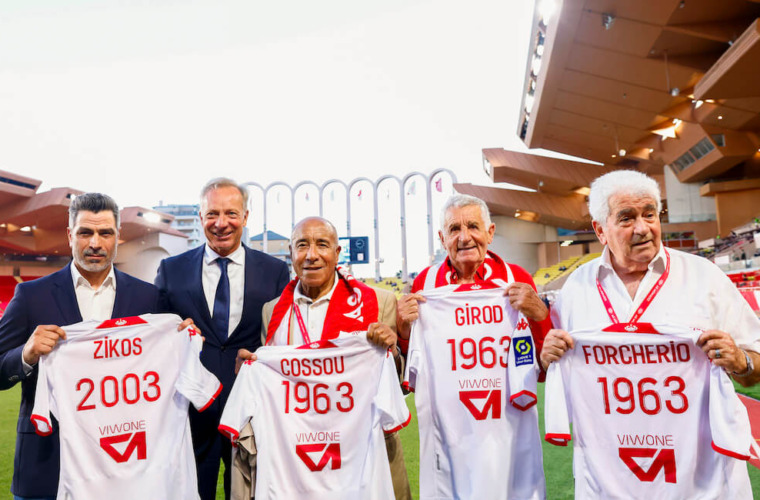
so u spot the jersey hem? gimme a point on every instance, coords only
(230, 433)
(729, 453)
(557, 439)
(399, 427)
(210, 401)
(513, 400)
(35, 418)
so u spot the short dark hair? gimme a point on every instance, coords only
(92, 202)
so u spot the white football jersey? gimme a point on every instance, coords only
(472, 366)
(652, 417)
(318, 413)
(120, 391)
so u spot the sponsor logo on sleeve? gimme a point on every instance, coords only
(523, 347)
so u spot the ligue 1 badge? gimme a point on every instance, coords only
(523, 347)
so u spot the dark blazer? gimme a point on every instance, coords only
(181, 287)
(50, 300)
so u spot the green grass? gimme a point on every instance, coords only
(557, 459)
(9, 401)
(410, 442)
(753, 392)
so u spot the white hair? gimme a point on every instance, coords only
(221, 182)
(619, 182)
(464, 200)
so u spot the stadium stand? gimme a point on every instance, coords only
(557, 273)
(394, 285)
(7, 287)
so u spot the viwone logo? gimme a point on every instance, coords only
(664, 460)
(330, 452)
(135, 441)
(492, 404)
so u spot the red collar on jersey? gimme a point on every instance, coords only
(493, 267)
(631, 328)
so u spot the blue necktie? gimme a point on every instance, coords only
(222, 300)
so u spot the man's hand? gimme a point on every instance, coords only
(523, 298)
(43, 340)
(556, 343)
(721, 349)
(407, 312)
(243, 355)
(189, 322)
(381, 334)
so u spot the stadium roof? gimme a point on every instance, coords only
(559, 188)
(33, 223)
(617, 76)
(634, 84)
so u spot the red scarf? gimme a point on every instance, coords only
(492, 268)
(353, 307)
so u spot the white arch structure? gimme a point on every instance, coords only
(375, 184)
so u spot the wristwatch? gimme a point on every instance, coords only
(750, 366)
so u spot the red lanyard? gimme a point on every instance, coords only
(647, 300)
(301, 325)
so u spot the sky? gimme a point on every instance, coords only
(147, 100)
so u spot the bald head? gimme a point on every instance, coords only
(314, 251)
(315, 222)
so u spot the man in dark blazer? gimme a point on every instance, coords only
(88, 288)
(222, 285)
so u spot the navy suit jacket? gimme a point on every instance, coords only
(50, 300)
(180, 284)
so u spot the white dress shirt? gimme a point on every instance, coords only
(94, 303)
(236, 274)
(696, 294)
(313, 312)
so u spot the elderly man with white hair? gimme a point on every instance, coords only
(474, 443)
(654, 416)
(637, 279)
(466, 231)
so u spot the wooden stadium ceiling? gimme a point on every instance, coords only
(607, 75)
(33, 223)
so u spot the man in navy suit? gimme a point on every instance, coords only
(89, 288)
(222, 286)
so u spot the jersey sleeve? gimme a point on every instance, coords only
(413, 358)
(241, 404)
(729, 423)
(394, 414)
(734, 314)
(41, 412)
(556, 414)
(195, 382)
(538, 328)
(522, 367)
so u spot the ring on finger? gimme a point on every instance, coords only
(717, 353)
